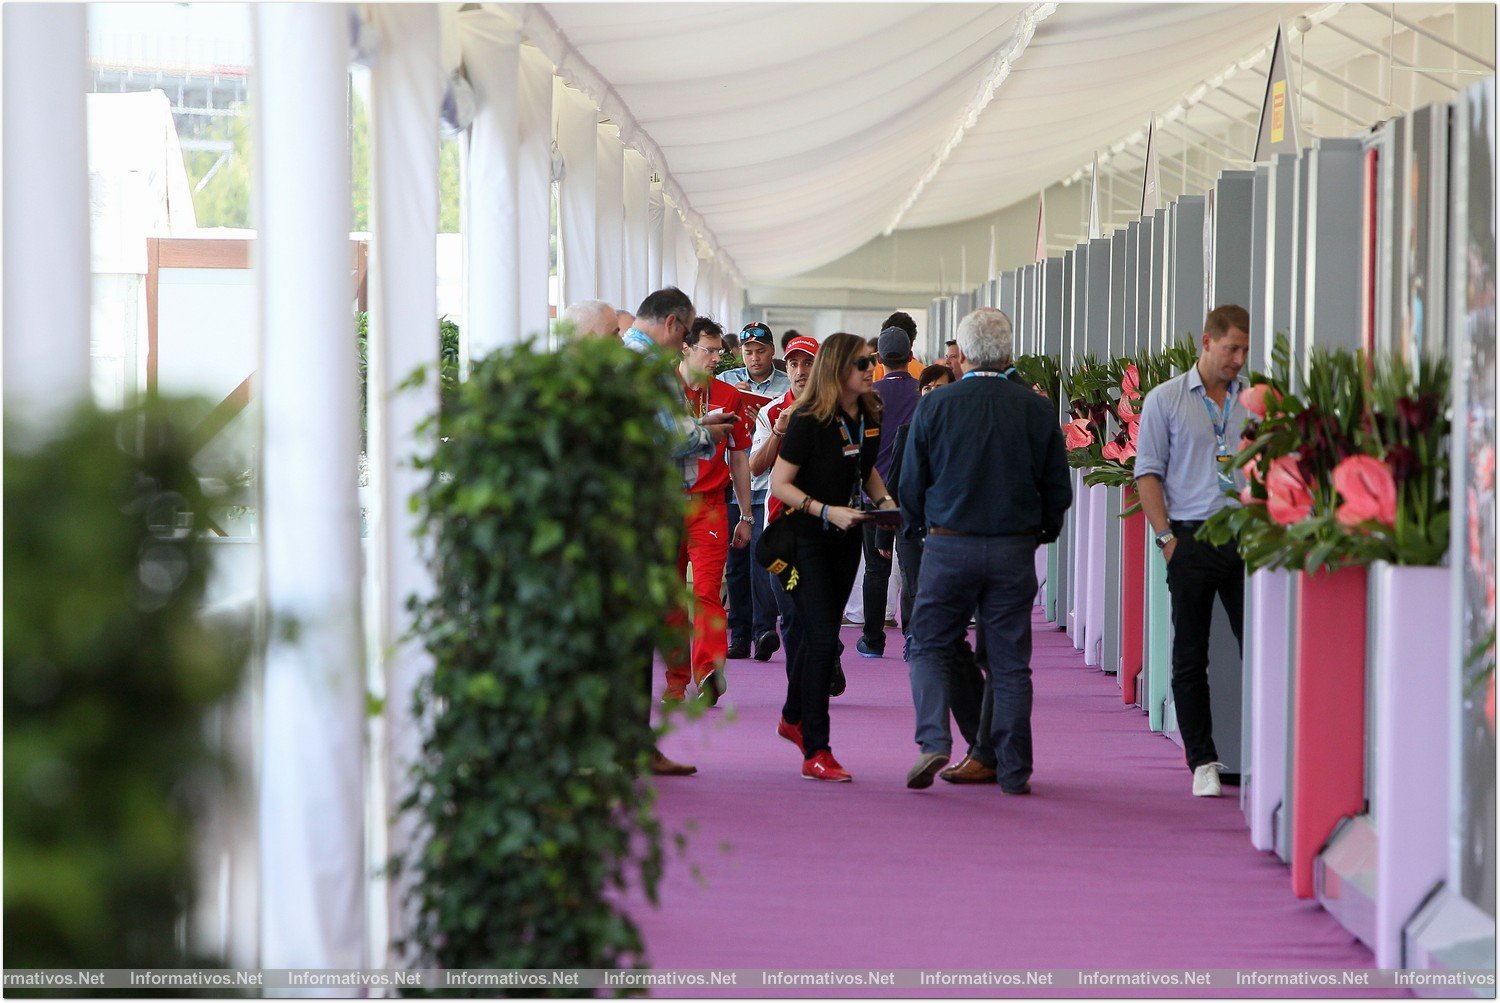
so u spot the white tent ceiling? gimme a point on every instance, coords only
(797, 132)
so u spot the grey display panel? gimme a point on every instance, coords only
(1143, 285)
(1387, 143)
(1023, 307)
(1422, 240)
(1260, 332)
(1007, 300)
(1184, 316)
(1331, 285)
(1280, 224)
(1229, 240)
(1096, 333)
(1132, 287)
(1157, 312)
(1052, 306)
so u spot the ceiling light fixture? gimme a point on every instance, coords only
(1026, 22)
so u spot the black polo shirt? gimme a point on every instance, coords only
(823, 471)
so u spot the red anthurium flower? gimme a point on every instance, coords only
(1288, 499)
(1113, 451)
(1078, 434)
(1254, 399)
(1130, 383)
(1127, 412)
(1368, 490)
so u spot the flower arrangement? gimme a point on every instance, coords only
(1351, 471)
(1043, 372)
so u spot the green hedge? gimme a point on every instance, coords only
(108, 676)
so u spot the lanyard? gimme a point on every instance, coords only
(844, 431)
(983, 372)
(1220, 419)
(852, 450)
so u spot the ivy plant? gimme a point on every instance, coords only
(553, 507)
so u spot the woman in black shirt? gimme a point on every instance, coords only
(827, 458)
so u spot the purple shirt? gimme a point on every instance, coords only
(899, 392)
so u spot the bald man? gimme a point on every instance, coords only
(592, 319)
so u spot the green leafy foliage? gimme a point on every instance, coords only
(553, 508)
(1043, 372)
(108, 676)
(1346, 408)
(448, 368)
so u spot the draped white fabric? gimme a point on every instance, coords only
(406, 87)
(811, 151)
(492, 57)
(637, 231)
(656, 250)
(609, 215)
(534, 190)
(671, 236)
(703, 287)
(312, 848)
(46, 200)
(577, 131)
(686, 255)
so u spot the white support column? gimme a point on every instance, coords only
(534, 190)
(312, 849)
(657, 250)
(46, 204)
(492, 55)
(637, 231)
(671, 236)
(686, 247)
(609, 214)
(406, 95)
(577, 194)
(703, 288)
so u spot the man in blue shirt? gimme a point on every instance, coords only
(899, 392)
(985, 473)
(1189, 430)
(752, 600)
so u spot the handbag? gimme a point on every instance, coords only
(775, 551)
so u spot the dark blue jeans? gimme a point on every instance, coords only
(999, 573)
(752, 602)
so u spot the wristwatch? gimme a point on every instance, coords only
(748, 518)
(1163, 538)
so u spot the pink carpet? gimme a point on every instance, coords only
(1110, 863)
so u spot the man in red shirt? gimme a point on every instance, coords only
(707, 534)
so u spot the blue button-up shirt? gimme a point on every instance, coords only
(1176, 442)
(773, 386)
(691, 440)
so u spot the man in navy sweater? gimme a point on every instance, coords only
(986, 474)
(899, 392)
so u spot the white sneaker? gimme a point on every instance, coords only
(1206, 781)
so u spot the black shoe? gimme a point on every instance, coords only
(739, 649)
(766, 645)
(837, 682)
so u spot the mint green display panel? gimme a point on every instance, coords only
(1158, 669)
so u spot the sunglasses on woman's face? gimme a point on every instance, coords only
(865, 362)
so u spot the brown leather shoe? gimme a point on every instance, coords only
(970, 771)
(664, 767)
(955, 767)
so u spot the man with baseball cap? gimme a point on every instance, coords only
(752, 602)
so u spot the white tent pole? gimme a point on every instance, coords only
(671, 236)
(492, 56)
(312, 850)
(534, 191)
(46, 197)
(577, 140)
(406, 95)
(637, 281)
(609, 214)
(657, 251)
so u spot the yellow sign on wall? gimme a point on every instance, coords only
(1278, 111)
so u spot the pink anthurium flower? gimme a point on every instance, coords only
(1128, 414)
(1078, 434)
(1130, 382)
(1254, 399)
(1288, 499)
(1368, 489)
(1113, 451)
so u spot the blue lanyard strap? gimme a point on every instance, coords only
(1220, 419)
(982, 372)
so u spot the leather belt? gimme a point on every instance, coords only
(942, 531)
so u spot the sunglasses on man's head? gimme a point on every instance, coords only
(865, 362)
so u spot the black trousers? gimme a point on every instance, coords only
(909, 554)
(826, 565)
(1196, 574)
(877, 583)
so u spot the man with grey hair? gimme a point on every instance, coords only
(592, 319)
(986, 475)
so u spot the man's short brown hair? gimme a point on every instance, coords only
(1221, 318)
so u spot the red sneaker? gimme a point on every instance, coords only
(791, 732)
(824, 767)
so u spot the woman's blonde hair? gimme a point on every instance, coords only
(830, 371)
